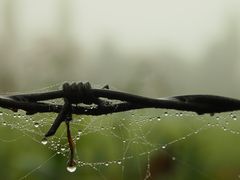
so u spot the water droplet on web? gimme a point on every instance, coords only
(234, 118)
(166, 114)
(44, 141)
(71, 168)
(77, 137)
(106, 164)
(119, 162)
(217, 118)
(1, 113)
(79, 132)
(36, 124)
(4, 123)
(159, 118)
(163, 147)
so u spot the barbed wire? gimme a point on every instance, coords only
(82, 99)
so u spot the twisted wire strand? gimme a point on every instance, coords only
(78, 94)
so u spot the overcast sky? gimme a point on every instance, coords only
(134, 25)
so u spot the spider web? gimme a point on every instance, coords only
(139, 144)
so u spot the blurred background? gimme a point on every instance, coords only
(154, 48)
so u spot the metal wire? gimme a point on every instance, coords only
(80, 98)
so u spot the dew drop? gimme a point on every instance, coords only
(119, 162)
(79, 132)
(180, 114)
(159, 118)
(234, 118)
(77, 137)
(4, 123)
(173, 158)
(71, 168)
(163, 147)
(1, 113)
(44, 141)
(106, 164)
(36, 124)
(217, 118)
(166, 114)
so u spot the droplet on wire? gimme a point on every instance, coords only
(71, 168)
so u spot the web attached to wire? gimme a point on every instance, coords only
(141, 144)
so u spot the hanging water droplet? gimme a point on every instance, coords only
(166, 114)
(119, 162)
(44, 141)
(62, 148)
(180, 114)
(234, 118)
(71, 168)
(36, 124)
(1, 113)
(217, 118)
(159, 118)
(173, 158)
(163, 147)
(4, 123)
